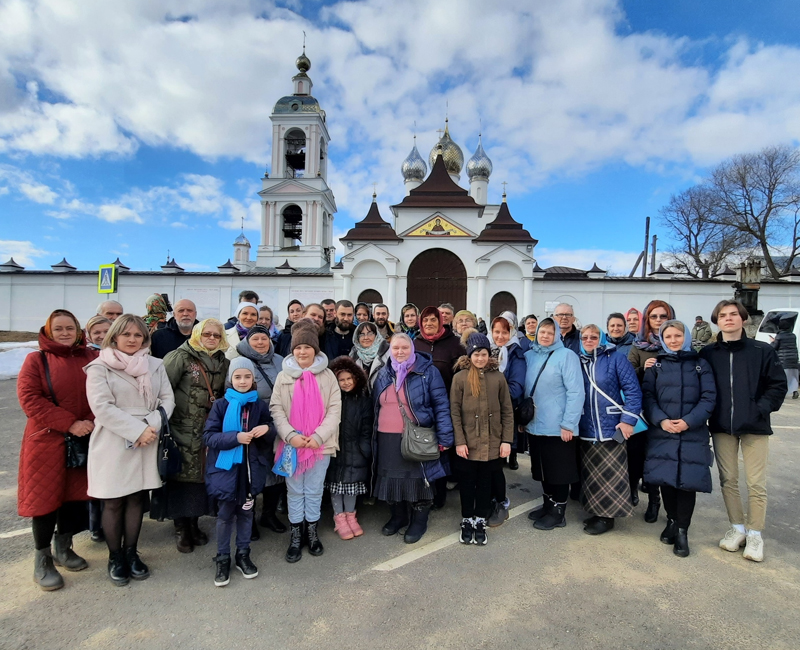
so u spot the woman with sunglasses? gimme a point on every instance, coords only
(642, 356)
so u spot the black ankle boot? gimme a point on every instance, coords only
(512, 461)
(669, 532)
(599, 525)
(314, 545)
(199, 538)
(295, 551)
(270, 521)
(653, 506)
(681, 548)
(118, 569)
(398, 520)
(547, 505)
(419, 522)
(553, 519)
(223, 573)
(138, 569)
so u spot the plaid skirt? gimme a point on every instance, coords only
(347, 489)
(606, 487)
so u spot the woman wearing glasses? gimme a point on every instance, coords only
(642, 356)
(196, 371)
(370, 351)
(605, 429)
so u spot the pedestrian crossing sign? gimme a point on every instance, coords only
(107, 279)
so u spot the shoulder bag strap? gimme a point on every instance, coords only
(402, 409)
(541, 370)
(47, 377)
(208, 383)
(599, 390)
(264, 375)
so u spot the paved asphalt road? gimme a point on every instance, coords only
(526, 589)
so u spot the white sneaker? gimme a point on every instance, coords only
(755, 548)
(733, 540)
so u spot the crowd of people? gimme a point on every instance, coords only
(343, 401)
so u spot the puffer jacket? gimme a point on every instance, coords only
(750, 382)
(427, 397)
(559, 394)
(444, 353)
(514, 373)
(623, 343)
(679, 387)
(614, 375)
(192, 404)
(225, 484)
(785, 344)
(484, 422)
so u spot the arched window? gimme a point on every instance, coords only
(370, 296)
(295, 153)
(293, 223)
(502, 301)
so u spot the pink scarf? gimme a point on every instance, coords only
(135, 365)
(306, 415)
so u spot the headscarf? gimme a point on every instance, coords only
(48, 326)
(196, 339)
(647, 340)
(241, 329)
(557, 343)
(269, 363)
(501, 351)
(601, 346)
(402, 368)
(136, 365)
(156, 311)
(641, 317)
(431, 311)
(366, 306)
(367, 355)
(401, 325)
(687, 340)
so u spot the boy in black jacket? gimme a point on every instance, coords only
(751, 384)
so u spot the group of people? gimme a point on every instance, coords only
(341, 399)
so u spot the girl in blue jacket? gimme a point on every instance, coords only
(236, 470)
(558, 395)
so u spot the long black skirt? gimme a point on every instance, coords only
(177, 500)
(553, 461)
(397, 479)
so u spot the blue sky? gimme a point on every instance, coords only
(124, 132)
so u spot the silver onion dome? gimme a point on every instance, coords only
(451, 152)
(241, 239)
(479, 166)
(414, 167)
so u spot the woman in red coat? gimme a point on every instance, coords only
(48, 491)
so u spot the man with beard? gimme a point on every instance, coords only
(329, 305)
(327, 343)
(380, 313)
(342, 330)
(177, 330)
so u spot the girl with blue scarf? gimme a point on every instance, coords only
(236, 470)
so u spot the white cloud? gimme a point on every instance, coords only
(38, 193)
(115, 213)
(23, 252)
(615, 262)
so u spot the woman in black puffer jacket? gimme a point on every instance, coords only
(349, 469)
(679, 394)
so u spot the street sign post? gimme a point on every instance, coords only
(107, 279)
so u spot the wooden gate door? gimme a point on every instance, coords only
(436, 276)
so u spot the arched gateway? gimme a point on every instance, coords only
(436, 276)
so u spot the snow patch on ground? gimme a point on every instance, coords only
(12, 355)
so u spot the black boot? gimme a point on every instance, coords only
(314, 545)
(635, 495)
(254, 534)
(245, 564)
(419, 522)
(295, 551)
(63, 555)
(512, 461)
(547, 505)
(553, 519)
(599, 526)
(669, 532)
(223, 575)
(199, 538)
(118, 569)
(653, 506)
(398, 520)
(45, 573)
(681, 548)
(270, 521)
(575, 491)
(138, 569)
(183, 535)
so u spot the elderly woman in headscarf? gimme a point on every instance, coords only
(370, 351)
(409, 320)
(246, 318)
(409, 383)
(642, 355)
(259, 348)
(679, 397)
(196, 371)
(157, 309)
(362, 313)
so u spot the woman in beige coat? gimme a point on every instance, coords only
(125, 386)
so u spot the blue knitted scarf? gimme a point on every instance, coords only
(232, 421)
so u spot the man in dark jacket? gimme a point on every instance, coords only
(564, 315)
(327, 342)
(340, 332)
(380, 313)
(178, 329)
(750, 385)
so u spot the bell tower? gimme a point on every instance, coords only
(297, 206)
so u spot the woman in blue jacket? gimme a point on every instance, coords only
(411, 381)
(679, 396)
(605, 427)
(558, 396)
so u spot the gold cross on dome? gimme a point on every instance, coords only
(504, 186)
(440, 132)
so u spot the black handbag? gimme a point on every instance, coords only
(527, 409)
(418, 443)
(77, 448)
(169, 456)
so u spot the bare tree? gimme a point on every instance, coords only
(702, 245)
(758, 195)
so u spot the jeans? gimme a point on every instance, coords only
(305, 492)
(755, 450)
(226, 512)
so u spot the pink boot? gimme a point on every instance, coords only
(342, 526)
(353, 523)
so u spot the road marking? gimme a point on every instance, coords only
(444, 542)
(775, 426)
(15, 533)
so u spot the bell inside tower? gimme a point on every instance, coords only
(295, 153)
(293, 223)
